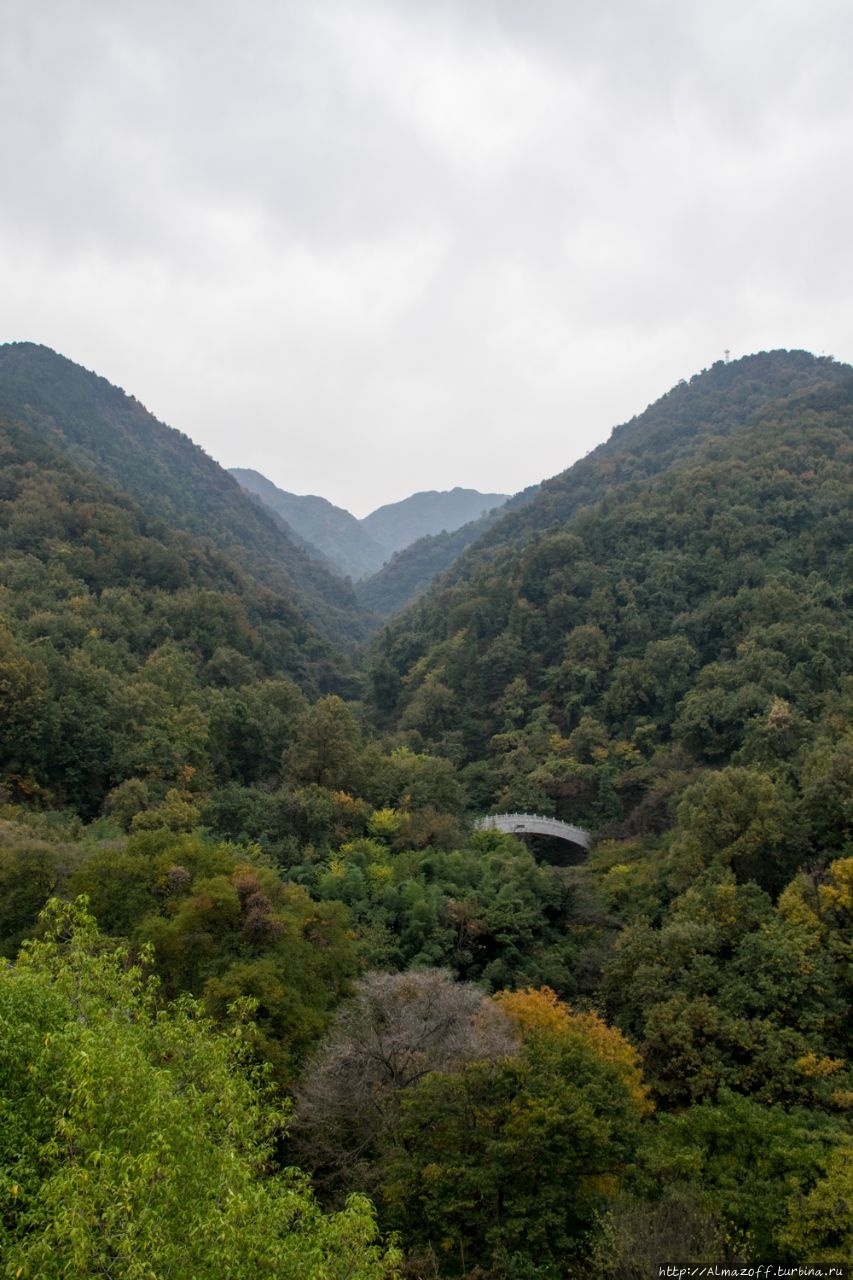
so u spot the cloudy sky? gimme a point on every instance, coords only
(374, 246)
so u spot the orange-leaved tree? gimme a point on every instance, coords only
(543, 1012)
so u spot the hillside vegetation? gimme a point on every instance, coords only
(101, 429)
(291, 943)
(637, 588)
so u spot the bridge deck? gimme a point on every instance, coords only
(534, 824)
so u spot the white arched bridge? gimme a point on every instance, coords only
(536, 825)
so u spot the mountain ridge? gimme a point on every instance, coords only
(482, 653)
(358, 548)
(654, 435)
(104, 430)
(429, 511)
(409, 572)
(331, 531)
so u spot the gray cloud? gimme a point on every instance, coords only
(373, 247)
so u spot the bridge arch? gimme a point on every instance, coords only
(534, 824)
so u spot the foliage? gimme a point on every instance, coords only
(510, 1162)
(656, 645)
(541, 1012)
(395, 1032)
(730, 993)
(821, 1225)
(224, 927)
(487, 911)
(139, 1148)
(757, 1168)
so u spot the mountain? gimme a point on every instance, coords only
(132, 652)
(398, 524)
(104, 430)
(715, 402)
(359, 548)
(332, 532)
(657, 607)
(409, 572)
(656, 645)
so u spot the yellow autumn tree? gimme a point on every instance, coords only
(512, 1160)
(542, 1011)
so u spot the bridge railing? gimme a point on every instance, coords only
(534, 824)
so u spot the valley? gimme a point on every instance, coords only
(249, 750)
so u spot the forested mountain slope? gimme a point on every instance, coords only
(334, 532)
(106, 431)
(658, 646)
(124, 642)
(651, 607)
(714, 403)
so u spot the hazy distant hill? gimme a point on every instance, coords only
(334, 532)
(398, 524)
(409, 572)
(359, 548)
(106, 431)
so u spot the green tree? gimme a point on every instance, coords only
(820, 1222)
(743, 819)
(325, 751)
(510, 1162)
(761, 1170)
(138, 1146)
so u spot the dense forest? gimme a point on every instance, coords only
(101, 429)
(273, 1005)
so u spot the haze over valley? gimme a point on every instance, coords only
(359, 547)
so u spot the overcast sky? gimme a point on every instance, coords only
(369, 248)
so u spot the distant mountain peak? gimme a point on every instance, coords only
(398, 524)
(360, 547)
(334, 532)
